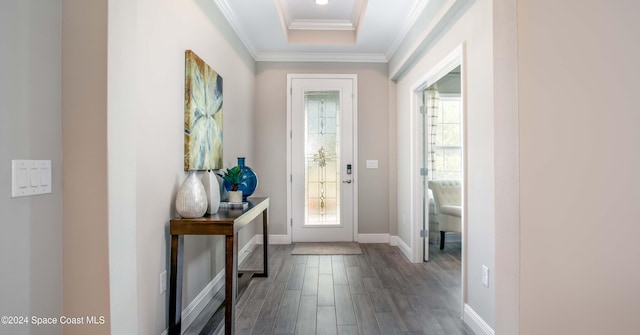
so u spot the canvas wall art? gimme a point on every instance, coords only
(202, 115)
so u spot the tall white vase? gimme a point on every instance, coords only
(191, 201)
(212, 189)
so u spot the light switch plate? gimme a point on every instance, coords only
(30, 177)
(372, 164)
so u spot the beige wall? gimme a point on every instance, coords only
(579, 163)
(84, 140)
(474, 29)
(373, 139)
(30, 128)
(507, 197)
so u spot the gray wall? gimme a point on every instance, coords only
(147, 43)
(30, 128)
(373, 139)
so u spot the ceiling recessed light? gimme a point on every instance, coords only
(321, 2)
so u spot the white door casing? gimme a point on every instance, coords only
(322, 193)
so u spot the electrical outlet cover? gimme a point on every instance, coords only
(485, 276)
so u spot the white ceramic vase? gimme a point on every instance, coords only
(235, 197)
(191, 201)
(212, 189)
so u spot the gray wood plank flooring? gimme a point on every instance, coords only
(378, 292)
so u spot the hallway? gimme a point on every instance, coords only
(378, 292)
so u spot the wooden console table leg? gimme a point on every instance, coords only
(265, 242)
(175, 285)
(230, 283)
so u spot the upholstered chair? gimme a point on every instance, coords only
(448, 203)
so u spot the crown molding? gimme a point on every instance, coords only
(283, 10)
(321, 57)
(228, 13)
(416, 11)
(321, 25)
(359, 6)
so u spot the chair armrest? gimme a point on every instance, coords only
(451, 210)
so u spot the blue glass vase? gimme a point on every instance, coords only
(249, 180)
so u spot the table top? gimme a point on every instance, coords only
(226, 221)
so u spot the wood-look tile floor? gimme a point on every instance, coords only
(378, 292)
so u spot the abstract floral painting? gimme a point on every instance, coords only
(202, 115)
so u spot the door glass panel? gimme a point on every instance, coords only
(322, 157)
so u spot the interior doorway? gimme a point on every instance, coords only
(322, 115)
(440, 156)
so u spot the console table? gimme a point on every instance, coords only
(226, 222)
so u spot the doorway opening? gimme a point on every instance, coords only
(439, 157)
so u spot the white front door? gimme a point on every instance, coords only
(323, 170)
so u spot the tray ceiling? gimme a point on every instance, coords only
(342, 30)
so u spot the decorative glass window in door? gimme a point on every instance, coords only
(322, 157)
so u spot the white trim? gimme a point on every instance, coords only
(228, 13)
(445, 18)
(354, 78)
(455, 58)
(450, 62)
(289, 176)
(393, 240)
(372, 238)
(418, 8)
(283, 13)
(475, 322)
(305, 24)
(359, 7)
(198, 304)
(247, 249)
(396, 241)
(274, 239)
(321, 57)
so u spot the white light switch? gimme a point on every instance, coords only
(372, 164)
(35, 177)
(45, 176)
(30, 177)
(22, 177)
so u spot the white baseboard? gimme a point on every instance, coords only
(396, 241)
(203, 298)
(373, 238)
(274, 239)
(247, 249)
(393, 241)
(475, 322)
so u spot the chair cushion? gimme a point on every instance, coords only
(451, 210)
(446, 192)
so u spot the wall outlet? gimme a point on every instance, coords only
(163, 281)
(485, 276)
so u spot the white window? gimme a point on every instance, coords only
(446, 139)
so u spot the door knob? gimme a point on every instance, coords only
(347, 181)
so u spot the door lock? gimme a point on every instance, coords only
(347, 181)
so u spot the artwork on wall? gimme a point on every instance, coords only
(202, 115)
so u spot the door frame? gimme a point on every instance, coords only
(453, 59)
(289, 175)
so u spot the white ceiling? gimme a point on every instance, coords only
(300, 30)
